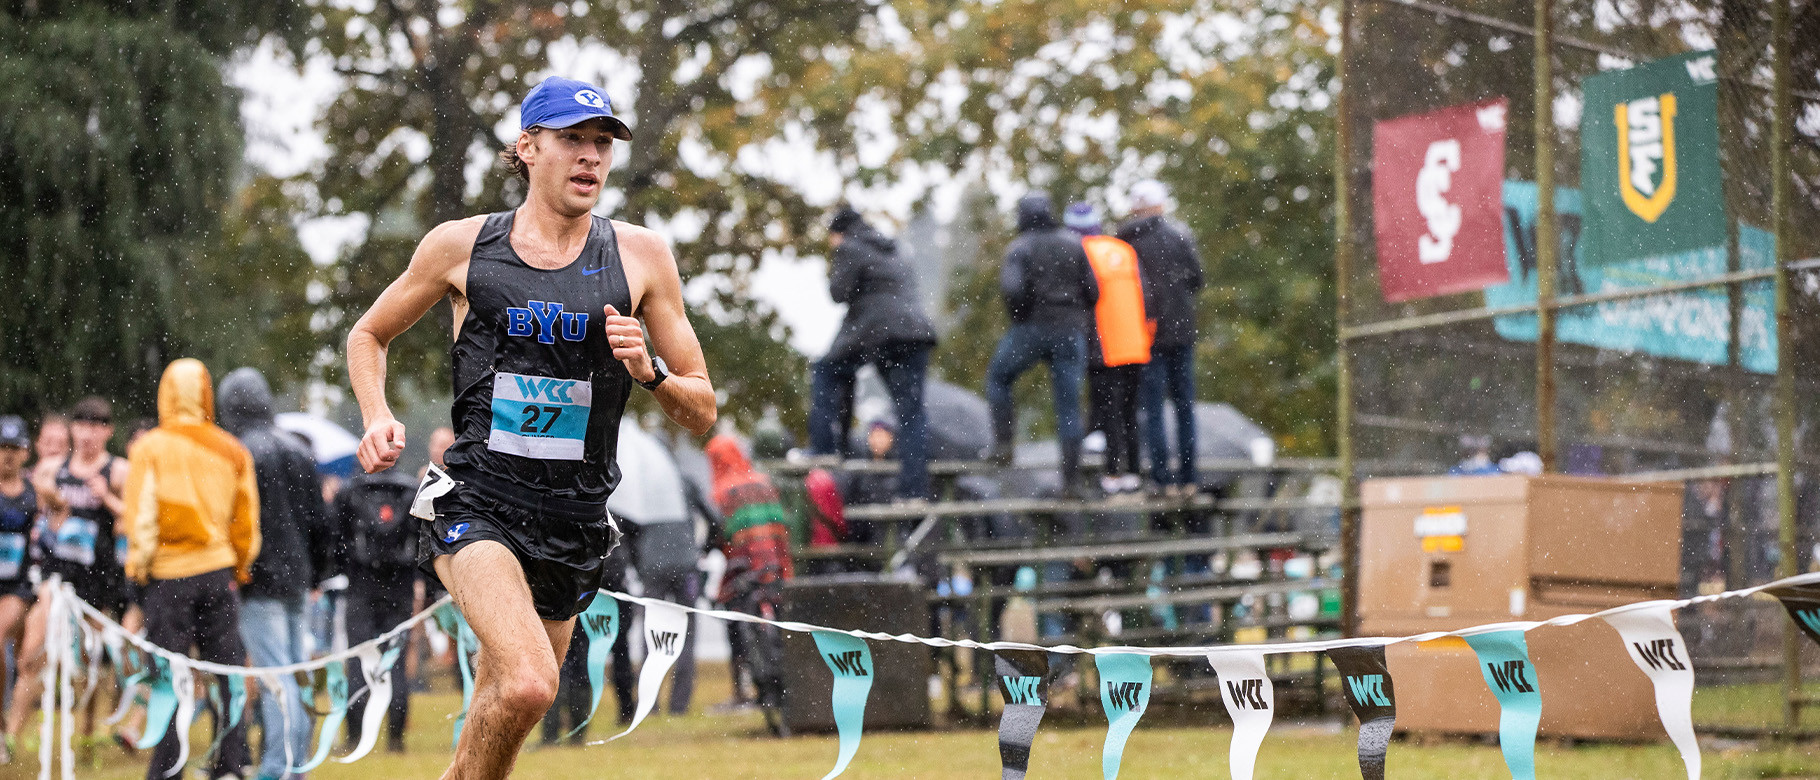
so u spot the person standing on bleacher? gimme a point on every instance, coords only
(1118, 348)
(885, 326)
(1050, 292)
(1171, 268)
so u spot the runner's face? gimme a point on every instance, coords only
(53, 441)
(90, 437)
(11, 460)
(570, 164)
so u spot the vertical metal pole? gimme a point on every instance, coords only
(1780, 197)
(1548, 237)
(1343, 251)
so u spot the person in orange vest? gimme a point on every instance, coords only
(1118, 348)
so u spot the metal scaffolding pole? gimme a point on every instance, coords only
(1343, 253)
(1780, 138)
(1548, 239)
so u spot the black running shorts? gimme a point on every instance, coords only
(561, 545)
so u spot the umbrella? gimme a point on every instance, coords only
(960, 423)
(332, 445)
(650, 485)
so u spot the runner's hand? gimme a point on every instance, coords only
(380, 448)
(627, 338)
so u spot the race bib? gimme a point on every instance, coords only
(76, 541)
(540, 417)
(12, 556)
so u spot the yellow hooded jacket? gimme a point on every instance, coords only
(192, 505)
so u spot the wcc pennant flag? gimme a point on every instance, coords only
(1437, 190)
(666, 630)
(850, 659)
(1650, 636)
(600, 622)
(1365, 682)
(1023, 679)
(1803, 605)
(1504, 661)
(1250, 700)
(1649, 159)
(1125, 680)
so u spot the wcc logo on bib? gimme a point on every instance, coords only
(1650, 160)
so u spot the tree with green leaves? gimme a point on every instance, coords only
(1224, 102)
(118, 150)
(427, 86)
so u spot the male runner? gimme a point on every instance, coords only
(546, 350)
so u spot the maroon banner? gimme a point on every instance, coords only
(1437, 189)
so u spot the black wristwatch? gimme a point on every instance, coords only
(660, 373)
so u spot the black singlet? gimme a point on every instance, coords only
(17, 513)
(538, 393)
(86, 537)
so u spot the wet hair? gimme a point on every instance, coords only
(509, 158)
(93, 409)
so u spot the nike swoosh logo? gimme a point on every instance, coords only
(592, 271)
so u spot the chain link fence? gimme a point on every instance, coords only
(1423, 374)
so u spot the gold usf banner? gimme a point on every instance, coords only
(1650, 160)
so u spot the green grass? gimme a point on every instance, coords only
(733, 746)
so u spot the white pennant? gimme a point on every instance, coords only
(1250, 700)
(376, 667)
(1650, 636)
(666, 629)
(183, 684)
(66, 686)
(275, 687)
(47, 703)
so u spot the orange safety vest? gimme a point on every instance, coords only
(1124, 334)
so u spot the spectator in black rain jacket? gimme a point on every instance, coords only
(1050, 292)
(294, 550)
(1171, 270)
(885, 326)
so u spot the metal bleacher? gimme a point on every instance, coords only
(1253, 558)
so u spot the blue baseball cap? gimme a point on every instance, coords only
(13, 432)
(558, 102)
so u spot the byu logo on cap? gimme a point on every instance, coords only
(590, 98)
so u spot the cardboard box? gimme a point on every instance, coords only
(1444, 553)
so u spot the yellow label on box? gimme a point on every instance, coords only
(1434, 544)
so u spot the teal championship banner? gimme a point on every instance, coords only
(1504, 661)
(1649, 160)
(1125, 680)
(850, 659)
(1693, 325)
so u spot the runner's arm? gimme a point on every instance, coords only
(424, 282)
(687, 397)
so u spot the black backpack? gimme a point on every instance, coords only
(381, 533)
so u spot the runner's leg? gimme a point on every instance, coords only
(30, 660)
(518, 661)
